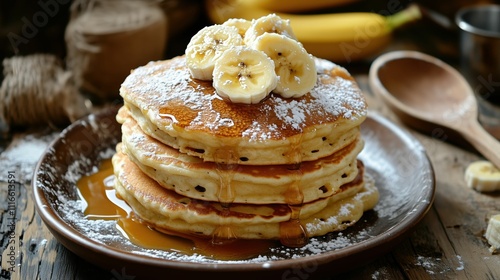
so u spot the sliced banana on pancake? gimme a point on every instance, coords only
(483, 176)
(241, 24)
(206, 47)
(244, 75)
(295, 67)
(268, 24)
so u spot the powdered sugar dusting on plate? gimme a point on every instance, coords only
(23, 155)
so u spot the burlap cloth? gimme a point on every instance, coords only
(107, 38)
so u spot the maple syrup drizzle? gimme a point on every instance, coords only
(226, 167)
(168, 116)
(177, 113)
(292, 232)
(102, 202)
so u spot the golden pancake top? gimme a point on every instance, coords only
(167, 94)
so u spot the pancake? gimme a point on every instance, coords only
(193, 163)
(168, 211)
(188, 115)
(192, 177)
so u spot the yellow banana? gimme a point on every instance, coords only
(339, 37)
(297, 6)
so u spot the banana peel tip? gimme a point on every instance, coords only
(409, 14)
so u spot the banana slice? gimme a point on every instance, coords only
(207, 46)
(482, 176)
(244, 75)
(268, 24)
(241, 24)
(493, 233)
(295, 68)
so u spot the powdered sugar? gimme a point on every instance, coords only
(316, 246)
(291, 113)
(23, 155)
(212, 121)
(76, 167)
(259, 133)
(346, 101)
(153, 82)
(72, 211)
(435, 265)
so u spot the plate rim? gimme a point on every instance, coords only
(72, 239)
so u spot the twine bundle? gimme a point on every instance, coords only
(106, 39)
(37, 90)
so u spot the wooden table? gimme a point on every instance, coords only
(447, 244)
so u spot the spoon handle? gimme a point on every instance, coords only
(486, 144)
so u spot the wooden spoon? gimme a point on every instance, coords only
(427, 93)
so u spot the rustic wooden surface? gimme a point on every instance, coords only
(447, 244)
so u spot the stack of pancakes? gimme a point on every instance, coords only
(192, 163)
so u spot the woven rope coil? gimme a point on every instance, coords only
(37, 90)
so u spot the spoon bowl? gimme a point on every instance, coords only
(426, 93)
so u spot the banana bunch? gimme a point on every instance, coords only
(297, 6)
(339, 37)
(482, 176)
(247, 60)
(493, 233)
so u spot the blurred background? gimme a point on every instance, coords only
(50, 37)
(46, 33)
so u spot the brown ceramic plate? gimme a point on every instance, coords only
(396, 161)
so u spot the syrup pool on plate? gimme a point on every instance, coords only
(101, 202)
